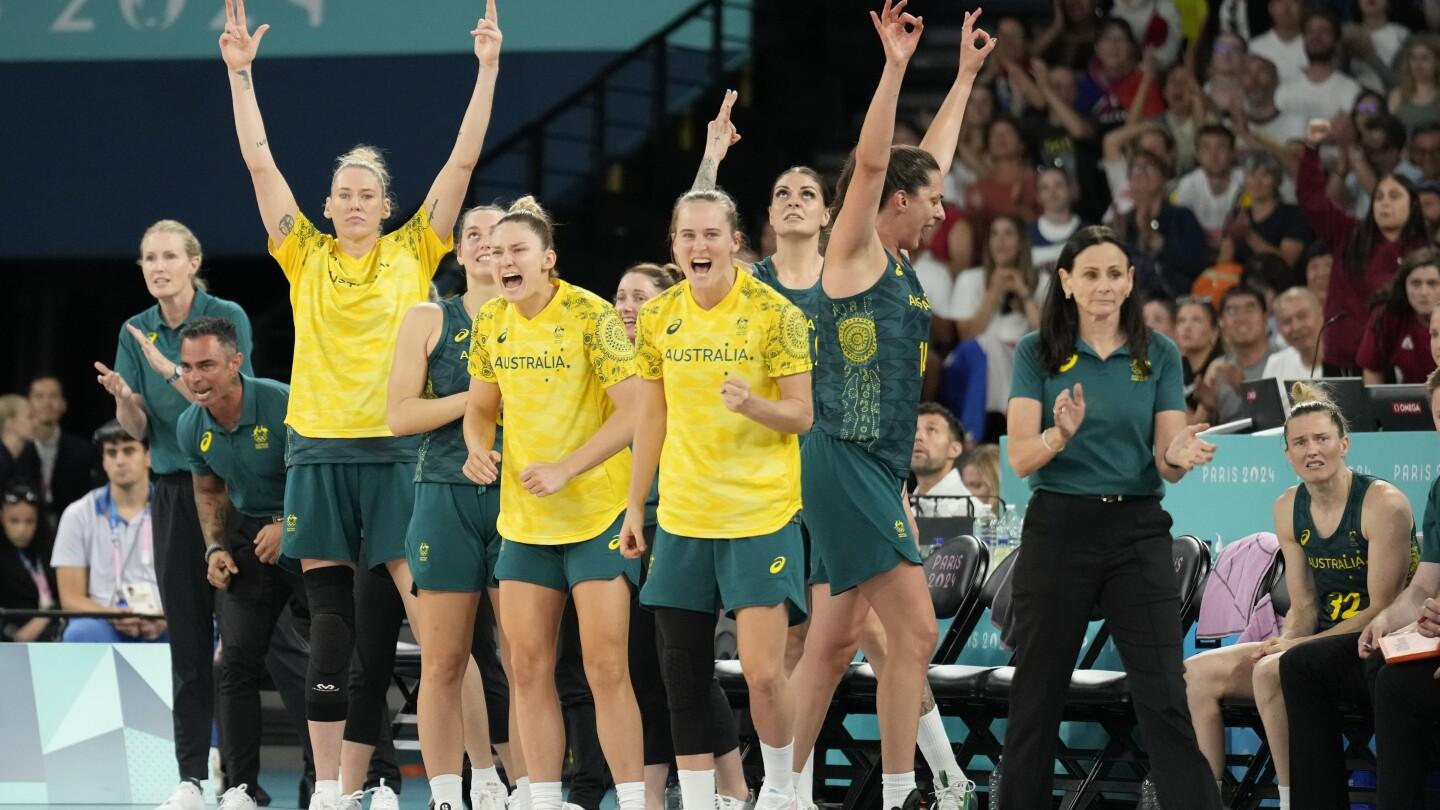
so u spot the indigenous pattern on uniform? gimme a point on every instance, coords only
(723, 475)
(442, 450)
(553, 371)
(870, 360)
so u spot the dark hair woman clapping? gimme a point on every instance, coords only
(1096, 532)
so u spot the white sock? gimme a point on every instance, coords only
(697, 790)
(520, 799)
(778, 762)
(445, 791)
(895, 788)
(935, 746)
(483, 776)
(545, 796)
(327, 788)
(805, 782)
(630, 795)
(1284, 797)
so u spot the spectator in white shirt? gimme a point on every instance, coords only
(1283, 44)
(1373, 43)
(1298, 316)
(1057, 220)
(939, 441)
(1211, 189)
(104, 556)
(1265, 127)
(1322, 90)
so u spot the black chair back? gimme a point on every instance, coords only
(1192, 564)
(1279, 591)
(955, 573)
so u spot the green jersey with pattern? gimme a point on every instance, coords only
(443, 451)
(870, 361)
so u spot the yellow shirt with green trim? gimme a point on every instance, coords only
(347, 315)
(553, 371)
(723, 475)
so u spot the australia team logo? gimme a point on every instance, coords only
(290, 521)
(261, 435)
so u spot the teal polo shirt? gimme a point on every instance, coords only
(163, 404)
(250, 458)
(1430, 539)
(1113, 452)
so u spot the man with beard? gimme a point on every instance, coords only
(939, 441)
(1322, 90)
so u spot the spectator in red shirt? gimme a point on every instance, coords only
(1114, 79)
(1366, 253)
(1007, 184)
(1396, 345)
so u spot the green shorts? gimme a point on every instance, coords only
(705, 575)
(855, 511)
(452, 544)
(330, 507)
(562, 567)
(815, 570)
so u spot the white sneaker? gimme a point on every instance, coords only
(236, 798)
(488, 796)
(516, 802)
(772, 799)
(185, 796)
(723, 802)
(569, 806)
(383, 798)
(953, 793)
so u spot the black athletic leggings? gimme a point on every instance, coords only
(701, 721)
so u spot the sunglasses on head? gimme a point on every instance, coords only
(15, 496)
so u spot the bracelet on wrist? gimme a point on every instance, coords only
(210, 551)
(1046, 442)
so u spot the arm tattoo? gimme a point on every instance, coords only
(286, 223)
(260, 144)
(705, 177)
(434, 206)
(212, 509)
(245, 77)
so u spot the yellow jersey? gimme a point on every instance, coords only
(553, 371)
(723, 475)
(347, 316)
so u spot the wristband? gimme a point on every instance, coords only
(210, 551)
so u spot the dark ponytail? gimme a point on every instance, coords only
(908, 171)
(1060, 320)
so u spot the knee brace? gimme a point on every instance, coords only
(332, 640)
(687, 666)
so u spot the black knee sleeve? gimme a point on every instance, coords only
(724, 735)
(687, 666)
(379, 612)
(330, 592)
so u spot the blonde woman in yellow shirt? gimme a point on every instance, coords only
(348, 475)
(560, 358)
(726, 367)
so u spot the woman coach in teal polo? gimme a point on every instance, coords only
(1097, 423)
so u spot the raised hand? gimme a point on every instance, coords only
(1187, 450)
(720, 134)
(1069, 412)
(114, 384)
(237, 46)
(1317, 131)
(159, 363)
(899, 32)
(488, 37)
(975, 45)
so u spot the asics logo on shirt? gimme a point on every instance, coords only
(461, 335)
(674, 326)
(615, 542)
(504, 334)
(778, 565)
(205, 440)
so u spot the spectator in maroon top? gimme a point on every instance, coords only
(1396, 345)
(1007, 183)
(1366, 253)
(1114, 79)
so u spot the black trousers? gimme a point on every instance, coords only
(190, 616)
(1078, 552)
(1326, 679)
(249, 613)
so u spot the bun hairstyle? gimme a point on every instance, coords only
(527, 211)
(187, 237)
(713, 195)
(368, 158)
(663, 276)
(1310, 397)
(464, 215)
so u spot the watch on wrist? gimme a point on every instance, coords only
(175, 377)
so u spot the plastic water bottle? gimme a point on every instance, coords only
(1014, 522)
(986, 526)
